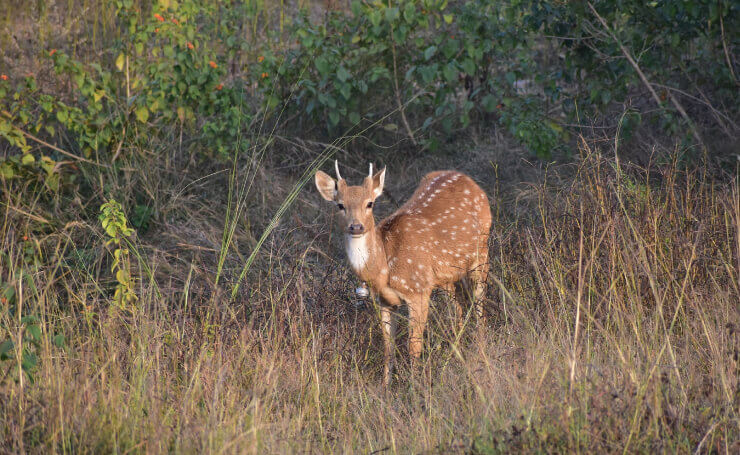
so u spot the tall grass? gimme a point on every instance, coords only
(612, 327)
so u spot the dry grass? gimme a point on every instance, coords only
(612, 327)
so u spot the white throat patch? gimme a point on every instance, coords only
(358, 252)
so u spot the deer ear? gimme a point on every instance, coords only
(378, 182)
(326, 185)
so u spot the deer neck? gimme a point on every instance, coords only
(366, 254)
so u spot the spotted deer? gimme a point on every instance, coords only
(437, 239)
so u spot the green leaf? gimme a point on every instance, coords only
(468, 66)
(489, 103)
(27, 159)
(6, 171)
(142, 114)
(375, 17)
(323, 66)
(448, 18)
(510, 77)
(5, 348)
(62, 115)
(343, 74)
(120, 60)
(333, 117)
(34, 331)
(29, 361)
(409, 12)
(58, 340)
(362, 85)
(9, 293)
(346, 91)
(429, 52)
(121, 276)
(428, 73)
(354, 117)
(450, 72)
(111, 230)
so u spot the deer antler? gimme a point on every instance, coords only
(336, 168)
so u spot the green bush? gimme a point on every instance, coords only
(422, 69)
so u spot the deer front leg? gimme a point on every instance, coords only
(388, 324)
(418, 312)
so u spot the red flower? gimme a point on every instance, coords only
(159, 18)
(25, 238)
(219, 86)
(4, 77)
(52, 52)
(175, 21)
(190, 45)
(213, 64)
(156, 30)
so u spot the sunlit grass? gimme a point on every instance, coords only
(647, 274)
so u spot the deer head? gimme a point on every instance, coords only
(354, 203)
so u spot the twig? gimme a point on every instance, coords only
(40, 219)
(398, 93)
(706, 435)
(55, 148)
(644, 78)
(706, 103)
(118, 149)
(724, 45)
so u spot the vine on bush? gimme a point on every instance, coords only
(115, 225)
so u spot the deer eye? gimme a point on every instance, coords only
(340, 206)
(370, 204)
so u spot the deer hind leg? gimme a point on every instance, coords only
(462, 294)
(478, 275)
(453, 297)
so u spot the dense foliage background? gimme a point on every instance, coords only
(157, 237)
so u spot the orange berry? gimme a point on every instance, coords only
(25, 238)
(175, 21)
(3, 300)
(260, 58)
(264, 75)
(213, 64)
(190, 45)
(159, 18)
(52, 52)
(156, 30)
(219, 86)
(4, 77)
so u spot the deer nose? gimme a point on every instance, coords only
(356, 229)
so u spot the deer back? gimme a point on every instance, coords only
(438, 235)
